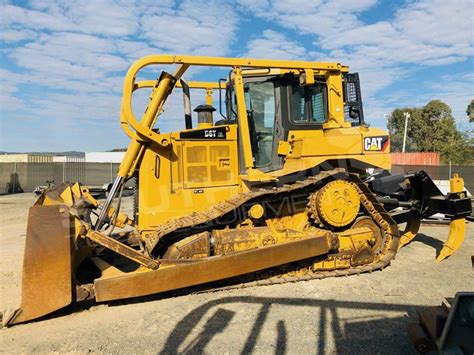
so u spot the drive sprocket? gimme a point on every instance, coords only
(336, 204)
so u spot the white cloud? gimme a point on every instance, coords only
(73, 56)
(8, 101)
(78, 56)
(274, 45)
(16, 15)
(135, 49)
(420, 34)
(426, 32)
(194, 27)
(82, 108)
(437, 22)
(372, 34)
(17, 35)
(313, 17)
(102, 17)
(456, 90)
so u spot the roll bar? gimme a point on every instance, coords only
(127, 117)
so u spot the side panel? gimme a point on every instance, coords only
(327, 142)
(311, 148)
(197, 170)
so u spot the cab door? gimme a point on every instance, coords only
(262, 99)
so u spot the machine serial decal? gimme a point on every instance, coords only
(375, 143)
(211, 133)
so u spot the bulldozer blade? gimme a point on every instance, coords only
(457, 233)
(46, 281)
(411, 230)
(210, 269)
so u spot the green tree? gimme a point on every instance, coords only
(396, 126)
(431, 128)
(470, 111)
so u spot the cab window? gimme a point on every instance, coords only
(308, 103)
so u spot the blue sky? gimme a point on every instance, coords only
(62, 62)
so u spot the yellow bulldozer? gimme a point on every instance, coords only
(284, 181)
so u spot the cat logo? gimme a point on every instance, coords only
(210, 133)
(376, 143)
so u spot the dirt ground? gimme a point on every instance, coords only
(359, 314)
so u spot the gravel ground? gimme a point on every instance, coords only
(359, 314)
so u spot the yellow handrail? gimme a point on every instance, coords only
(142, 131)
(127, 117)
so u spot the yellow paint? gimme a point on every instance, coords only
(411, 230)
(283, 148)
(456, 184)
(189, 171)
(243, 119)
(256, 211)
(179, 176)
(457, 233)
(338, 203)
(335, 102)
(457, 227)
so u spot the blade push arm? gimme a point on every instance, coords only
(143, 130)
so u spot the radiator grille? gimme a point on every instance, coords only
(208, 164)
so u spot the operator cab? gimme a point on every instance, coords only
(278, 104)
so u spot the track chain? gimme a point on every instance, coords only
(368, 200)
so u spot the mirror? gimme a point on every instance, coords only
(354, 112)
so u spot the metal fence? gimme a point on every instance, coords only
(18, 177)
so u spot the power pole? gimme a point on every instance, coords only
(407, 116)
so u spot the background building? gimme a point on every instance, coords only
(26, 158)
(104, 157)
